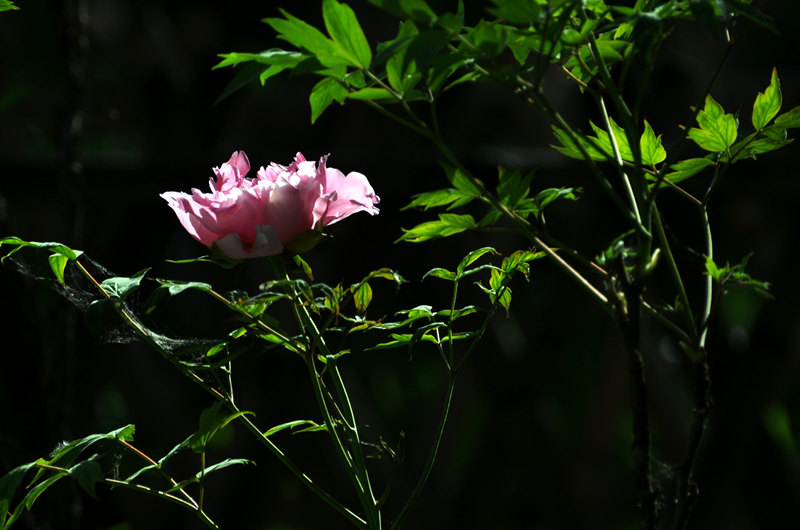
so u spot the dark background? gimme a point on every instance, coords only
(101, 113)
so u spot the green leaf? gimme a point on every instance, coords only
(450, 197)
(462, 181)
(717, 130)
(621, 139)
(34, 493)
(767, 103)
(271, 57)
(472, 257)
(58, 263)
(323, 94)
(362, 297)
(7, 5)
(207, 471)
(87, 473)
(571, 148)
(789, 120)
(292, 424)
(653, 151)
(309, 38)
(687, 168)
(447, 225)
(212, 420)
(9, 484)
(439, 272)
(346, 32)
(371, 94)
(120, 287)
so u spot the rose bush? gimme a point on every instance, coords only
(284, 208)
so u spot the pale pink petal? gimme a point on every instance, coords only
(353, 194)
(267, 243)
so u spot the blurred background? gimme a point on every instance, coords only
(104, 104)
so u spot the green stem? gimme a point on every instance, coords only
(274, 449)
(355, 465)
(431, 457)
(691, 325)
(166, 496)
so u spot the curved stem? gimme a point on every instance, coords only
(355, 464)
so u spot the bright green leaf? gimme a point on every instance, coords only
(323, 94)
(207, 471)
(472, 257)
(717, 130)
(346, 32)
(789, 120)
(307, 37)
(120, 287)
(371, 94)
(767, 103)
(291, 425)
(687, 168)
(7, 5)
(447, 225)
(653, 151)
(449, 196)
(438, 272)
(362, 297)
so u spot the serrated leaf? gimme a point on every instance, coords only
(307, 37)
(450, 197)
(717, 130)
(653, 151)
(323, 94)
(346, 32)
(461, 181)
(448, 224)
(687, 168)
(571, 148)
(767, 103)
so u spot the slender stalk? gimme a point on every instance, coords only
(355, 464)
(448, 399)
(274, 449)
(164, 495)
(691, 325)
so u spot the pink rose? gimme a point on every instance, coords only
(283, 208)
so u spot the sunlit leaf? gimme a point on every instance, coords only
(717, 130)
(653, 151)
(448, 224)
(346, 32)
(687, 168)
(323, 94)
(767, 103)
(472, 257)
(309, 38)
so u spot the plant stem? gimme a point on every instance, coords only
(355, 465)
(448, 399)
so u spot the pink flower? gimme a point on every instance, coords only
(283, 208)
